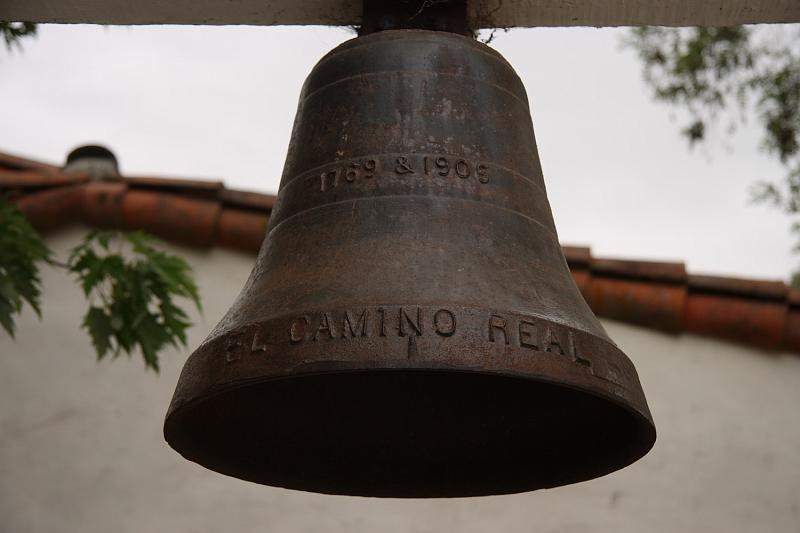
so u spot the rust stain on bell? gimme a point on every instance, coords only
(411, 328)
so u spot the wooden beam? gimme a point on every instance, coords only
(483, 13)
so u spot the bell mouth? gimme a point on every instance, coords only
(409, 433)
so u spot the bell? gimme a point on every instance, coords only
(411, 328)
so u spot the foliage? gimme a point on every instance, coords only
(710, 70)
(132, 300)
(131, 290)
(21, 250)
(14, 31)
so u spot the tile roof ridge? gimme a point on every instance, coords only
(17, 162)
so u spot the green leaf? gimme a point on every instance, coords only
(21, 252)
(103, 238)
(134, 291)
(152, 337)
(14, 31)
(695, 132)
(98, 323)
(6, 320)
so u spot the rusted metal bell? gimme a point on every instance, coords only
(411, 328)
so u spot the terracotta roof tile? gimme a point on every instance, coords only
(242, 230)
(654, 294)
(644, 270)
(247, 200)
(199, 188)
(50, 209)
(740, 319)
(101, 205)
(748, 288)
(793, 297)
(636, 300)
(171, 216)
(29, 179)
(13, 162)
(577, 256)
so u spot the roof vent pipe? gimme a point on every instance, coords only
(97, 161)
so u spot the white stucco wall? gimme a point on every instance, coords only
(81, 446)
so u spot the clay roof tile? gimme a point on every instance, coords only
(644, 270)
(748, 288)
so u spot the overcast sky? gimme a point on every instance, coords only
(218, 103)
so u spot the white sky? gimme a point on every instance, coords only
(218, 103)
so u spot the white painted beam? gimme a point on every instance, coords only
(484, 13)
(499, 13)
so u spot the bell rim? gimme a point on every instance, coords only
(642, 441)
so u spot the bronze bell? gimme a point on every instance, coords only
(411, 328)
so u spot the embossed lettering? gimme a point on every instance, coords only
(444, 322)
(527, 334)
(443, 165)
(370, 166)
(233, 348)
(352, 172)
(329, 179)
(256, 346)
(383, 321)
(404, 319)
(361, 326)
(325, 325)
(462, 169)
(483, 173)
(497, 323)
(550, 342)
(573, 351)
(403, 166)
(297, 329)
